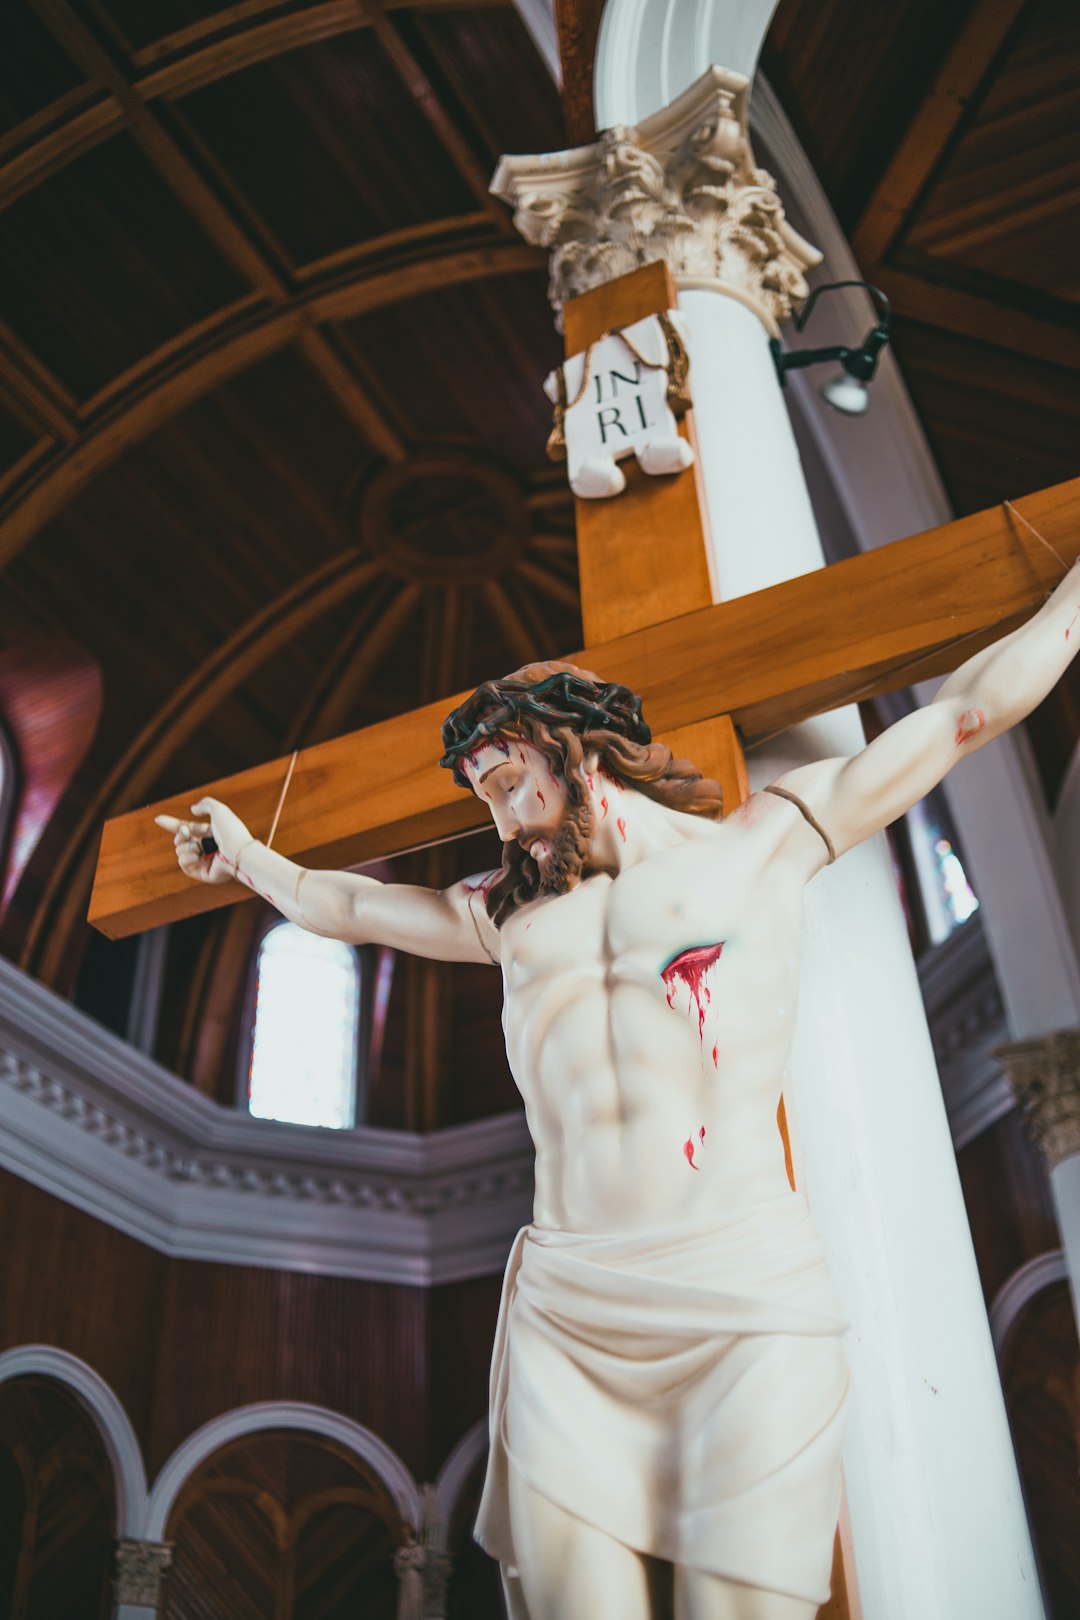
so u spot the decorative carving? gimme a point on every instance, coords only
(683, 186)
(423, 1568)
(140, 1569)
(1045, 1077)
(443, 516)
(139, 1143)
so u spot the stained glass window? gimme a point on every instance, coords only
(947, 897)
(305, 1035)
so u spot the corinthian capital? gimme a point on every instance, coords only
(681, 186)
(1045, 1078)
(140, 1569)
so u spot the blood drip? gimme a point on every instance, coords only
(701, 1133)
(540, 796)
(621, 824)
(970, 725)
(688, 1149)
(691, 967)
(603, 807)
(715, 1058)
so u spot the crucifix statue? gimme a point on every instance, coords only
(669, 1383)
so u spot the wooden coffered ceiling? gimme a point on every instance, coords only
(271, 426)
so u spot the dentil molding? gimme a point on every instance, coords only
(681, 186)
(94, 1122)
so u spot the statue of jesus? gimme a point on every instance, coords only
(668, 1385)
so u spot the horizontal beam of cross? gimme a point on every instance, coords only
(881, 620)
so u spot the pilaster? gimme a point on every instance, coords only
(140, 1570)
(1045, 1077)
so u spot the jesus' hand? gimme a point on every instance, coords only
(195, 841)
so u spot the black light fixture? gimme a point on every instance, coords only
(845, 390)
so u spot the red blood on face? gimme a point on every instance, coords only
(701, 1133)
(540, 796)
(603, 807)
(688, 1149)
(621, 824)
(691, 967)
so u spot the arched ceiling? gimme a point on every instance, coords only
(270, 407)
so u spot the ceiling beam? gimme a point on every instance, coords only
(768, 659)
(930, 134)
(578, 25)
(42, 399)
(475, 174)
(173, 725)
(249, 338)
(213, 217)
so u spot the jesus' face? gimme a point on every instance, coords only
(530, 806)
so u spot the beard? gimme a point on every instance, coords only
(567, 849)
(523, 879)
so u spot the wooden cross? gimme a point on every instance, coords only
(708, 674)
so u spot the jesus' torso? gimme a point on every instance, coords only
(648, 1020)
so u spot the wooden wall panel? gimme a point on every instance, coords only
(1041, 1374)
(1007, 1194)
(71, 1281)
(282, 1524)
(181, 1342)
(234, 1334)
(462, 1318)
(62, 1537)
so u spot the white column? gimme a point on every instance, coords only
(937, 1517)
(1045, 1077)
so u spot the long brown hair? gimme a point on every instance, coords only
(567, 713)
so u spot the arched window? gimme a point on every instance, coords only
(306, 1029)
(7, 798)
(943, 898)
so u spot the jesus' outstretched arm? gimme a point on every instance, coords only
(853, 798)
(449, 925)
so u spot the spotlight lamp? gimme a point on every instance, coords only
(845, 390)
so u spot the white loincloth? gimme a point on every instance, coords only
(683, 1391)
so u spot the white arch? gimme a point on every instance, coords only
(1020, 1289)
(650, 51)
(110, 1420)
(386, 1464)
(453, 1477)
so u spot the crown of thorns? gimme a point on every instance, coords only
(557, 700)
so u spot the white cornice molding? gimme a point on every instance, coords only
(96, 1123)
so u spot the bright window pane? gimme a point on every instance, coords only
(948, 898)
(303, 1051)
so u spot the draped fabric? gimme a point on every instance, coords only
(682, 1390)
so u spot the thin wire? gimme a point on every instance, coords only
(281, 799)
(1039, 537)
(871, 686)
(921, 658)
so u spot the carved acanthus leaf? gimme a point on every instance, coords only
(1045, 1078)
(683, 186)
